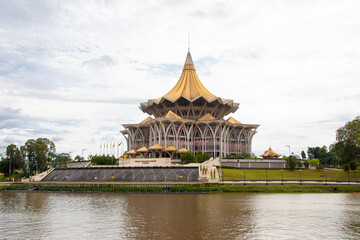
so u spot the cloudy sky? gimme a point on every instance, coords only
(74, 71)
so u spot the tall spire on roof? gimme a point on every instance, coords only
(189, 65)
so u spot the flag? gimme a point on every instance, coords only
(120, 143)
(114, 144)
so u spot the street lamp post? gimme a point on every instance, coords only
(288, 147)
(325, 177)
(244, 177)
(282, 179)
(300, 177)
(266, 177)
(82, 153)
(220, 174)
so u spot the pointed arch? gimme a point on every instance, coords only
(182, 138)
(170, 139)
(197, 137)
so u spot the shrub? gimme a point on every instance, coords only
(320, 166)
(103, 160)
(291, 162)
(201, 157)
(187, 157)
(306, 164)
(243, 155)
(314, 162)
(346, 167)
(353, 165)
(299, 164)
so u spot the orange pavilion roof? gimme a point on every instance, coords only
(183, 150)
(131, 152)
(156, 147)
(270, 154)
(171, 149)
(143, 149)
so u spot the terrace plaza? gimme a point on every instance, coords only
(188, 118)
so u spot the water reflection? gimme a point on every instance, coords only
(39, 215)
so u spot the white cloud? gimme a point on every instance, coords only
(74, 71)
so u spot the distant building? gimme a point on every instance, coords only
(189, 118)
(270, 154)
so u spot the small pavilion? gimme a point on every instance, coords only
(270, 154)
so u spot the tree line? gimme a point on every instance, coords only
(36, 155)
(345, 151)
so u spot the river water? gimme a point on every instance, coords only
(42, 215)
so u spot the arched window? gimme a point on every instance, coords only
(243, 142)
(197, 139)
(209, 141)
(139, 141)
(182, 140)
(170, 138)
(232, 143)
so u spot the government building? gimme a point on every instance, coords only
(188, 118)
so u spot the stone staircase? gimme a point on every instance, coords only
(208, 169)
(38, 177)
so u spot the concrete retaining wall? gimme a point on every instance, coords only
(253, 163)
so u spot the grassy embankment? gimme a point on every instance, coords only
(197, 189)
(235, 174)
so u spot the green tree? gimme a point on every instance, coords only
(201, 157)
(61, 159)
(103, 160)
(40, 153)
(299, 164)
(303, 154)
(347, 144)
(353, 165)
(187, 157)
(79, 158)
(306, 164)
(245, 155)
(314, 162)
(291, 162)
(326, 158)
(12, 160)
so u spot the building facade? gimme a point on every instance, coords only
(191, 118)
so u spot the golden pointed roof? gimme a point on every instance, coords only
(156, 147)
(206, 117)
(131, 152)
(233, 120)
(270, 154)
(143, 149)
(183, 150)
(145, 120)
(171, 114)
(171, 149)
(189, 85)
